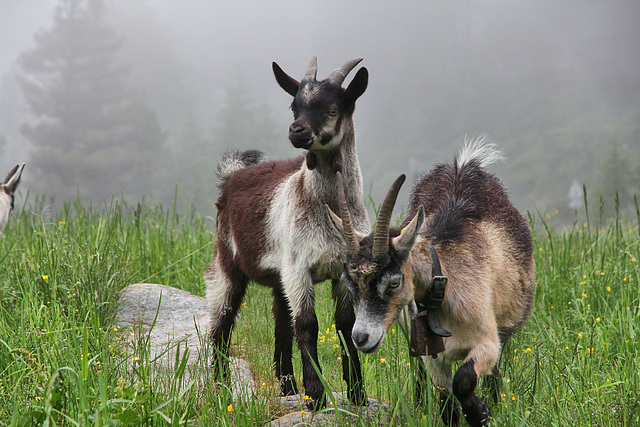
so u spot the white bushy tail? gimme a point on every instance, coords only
(481, 150)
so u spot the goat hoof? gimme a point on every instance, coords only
(479, 414)
(315, 397)
(358, 397)
(317, 404)
(288, 386)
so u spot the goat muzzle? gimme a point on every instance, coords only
(300, 136)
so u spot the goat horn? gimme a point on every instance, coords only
(347, 226)
(339, 74)
(381, 236)
(312, 69)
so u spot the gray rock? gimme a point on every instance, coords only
(338, 412)
(172, 319)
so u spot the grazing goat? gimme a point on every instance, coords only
(272, 228)
(485, 249)
(7, 191)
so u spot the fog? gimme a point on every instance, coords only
(556, 84)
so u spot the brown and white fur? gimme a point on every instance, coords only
(485, 249)
(272, 228)
(7, 192)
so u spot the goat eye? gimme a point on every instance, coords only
(394, 284)
(333, 112)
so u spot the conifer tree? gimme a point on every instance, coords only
(93, 135)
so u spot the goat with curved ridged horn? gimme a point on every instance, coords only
(312, 69)
(464, 253)
(344, 223)
(272, 228)
(339, 74)
(381, 236)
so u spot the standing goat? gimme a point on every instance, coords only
(272, 228)
(7, 191)
(485, 249)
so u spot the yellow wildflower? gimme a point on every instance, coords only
(230, 408)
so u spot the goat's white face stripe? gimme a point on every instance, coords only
(369, 323)
(328, 129)
(309, 92)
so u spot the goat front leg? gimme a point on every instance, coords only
(283, 344)
(479, 362)
(344, 319)
(298, 288)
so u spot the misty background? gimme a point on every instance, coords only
(131, 98)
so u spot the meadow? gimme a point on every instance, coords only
(62, 363)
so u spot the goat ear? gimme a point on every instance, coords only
(289, 84)
(357, 86)
(410, 235)
(11, 173)
(13, 179)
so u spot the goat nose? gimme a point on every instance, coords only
(359, 338)
(296, 128)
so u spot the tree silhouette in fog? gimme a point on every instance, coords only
(94, 136)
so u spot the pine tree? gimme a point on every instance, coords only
(93, 135)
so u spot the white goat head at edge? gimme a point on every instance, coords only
(7, 191)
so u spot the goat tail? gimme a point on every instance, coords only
(234, 160)
(479, 150)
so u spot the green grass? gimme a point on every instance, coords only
(62, 363)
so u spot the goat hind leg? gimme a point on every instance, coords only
(283, 344)
(224, 296)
